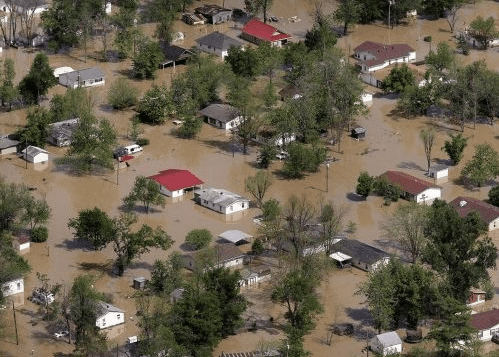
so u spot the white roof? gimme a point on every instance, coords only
(389, 339)
(34, 150)
(62, 70)
(235, 236)
(340, 257)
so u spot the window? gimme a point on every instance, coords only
(118, 316)
(231, 208)
(242, 205)
(18, 286)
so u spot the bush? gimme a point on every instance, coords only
(142, 141)
(39, 234)
(121, 94)
(427, 39)
(257, 247)
(190, 128)
(198, 238)
(387, 190)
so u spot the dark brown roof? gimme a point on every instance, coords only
(466, 205)
(175, 53)
(408, 183)
(227, 252)
(485, 320)
(383, 52)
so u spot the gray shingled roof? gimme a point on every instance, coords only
(235, 236)
(219, 41)
(5, 143)
(33, 151)
(175, 53)
(218, 196)
(221, 112)
(104, 308)
(68, 79)
(358, 250)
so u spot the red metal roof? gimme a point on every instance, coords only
(383, 52)
(126, 158)
(485, 320)
(175, 180)
(263, 32)
(466, 205)
(408, 183)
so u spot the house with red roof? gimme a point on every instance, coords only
(488, 213)
(486, 323)
(174, 183)
(257, 32)
(373, 56)
(413, 188)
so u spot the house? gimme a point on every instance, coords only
(193, 19)
(226, 255)
(221, 200)
(359, 132)
(290, 91)
(13, 286)
(236, 237)
(254, 277)
(31, 7)
(176, 295)
(488, 213)
(268, 353)
(412, 187)
(486, 323)
(174, 182)
(439, 171)
(387, 343)
(60, 133)
(222, 116)
(214, 13)
(35, 154)
(8, 146)
(21, 243)
(87, 77)
(358, 254)
(476, 297)
(108, 315)
(217, 43)
(175, 55)
(256, 31)
(374, 56)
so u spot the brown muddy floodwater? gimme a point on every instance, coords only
(391, 143)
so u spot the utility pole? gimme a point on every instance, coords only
(26, 154)
(118, 170)
(327, 177)
(15, 322)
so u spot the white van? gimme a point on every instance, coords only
(133, 149)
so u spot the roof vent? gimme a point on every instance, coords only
(462, 203)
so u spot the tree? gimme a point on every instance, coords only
(13, 198)
(266, 155)
(494, 196)
(254, 7)
(166, 275)
(62, 23)
(365, 184)
(438, 8)
(191, 127)
(444, 58)
(457, 249)
(38, 81)
(154, 107)
(390, 192)
(257, 247)
(483, 30)
(330, 219)
(348, 12)
(146, 61)
(128, 245)
(92, 145)
(427, 136)
(199, 238)
(8, 93)
(121, 94)
(258, 185)
(127, 42)
(399, 79)
(94, 226)
(455, 147)
(298, 214)
(302, 159)
(36, 212)
(75, 103)
(320, 37)
(147, 191)
(451, 15)
(244, 62)
(271, 210)
(37, 128)
(483, 166)
(269, 95)
(407, 226)
(83, 301)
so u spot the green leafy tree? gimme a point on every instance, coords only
(457, 249)
(61, 22)
(444, 58)
(407, 226)
(321, 37)
(92, 145)
(136, 129)
(36, 212)
(13, 199)
(303, 159)
(127, 42)
(244, 62)
(36, 130)
(269, 95)
(38, 81)
(166, 275)
(191, 127)
(438, 8)
(330, 217)
(483, 166)
(257, 247)
(266, 155)
(365, 184)
(94, 226)
(83, 305)
(271, 210)
(254, 7)
(154, 107)
(347, 13)
(258, 185)
(199, 238)
(121, 94)
(75, 103)
(147, 59)
(483, 30)
(455, 147)
(146, 191)
(128, 245)
(494, 196)
(427, 137)
(390, 192)
(398, 80)
(8, 92)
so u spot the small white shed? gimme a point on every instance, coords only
(35, 154)
(387, 343)
(439, 171)
(14, 286)
(21, 243)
